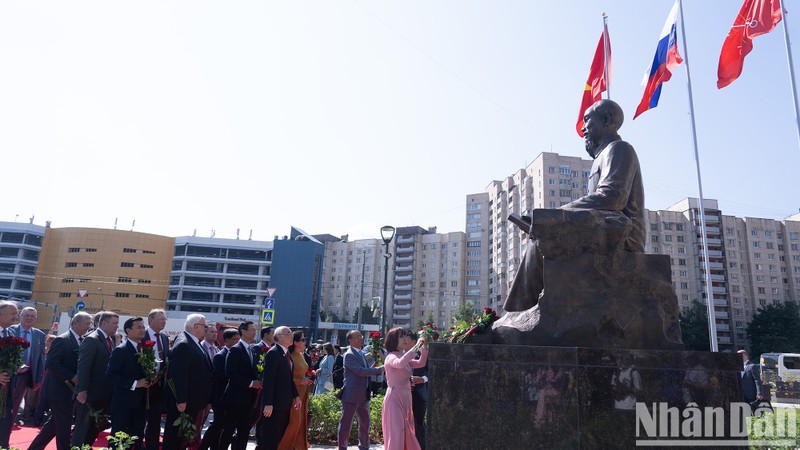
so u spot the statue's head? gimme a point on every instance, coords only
(601, 121)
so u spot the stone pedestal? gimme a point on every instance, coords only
(527, 397)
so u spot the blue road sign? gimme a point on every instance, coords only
(268, 316)
(269, 303)
(80, 305)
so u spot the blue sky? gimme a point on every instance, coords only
(342, 116)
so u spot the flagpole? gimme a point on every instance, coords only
(791, 69)
(712, 323)
(605, 55)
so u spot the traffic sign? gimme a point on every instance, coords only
(82, 293)
(80, 305)
(269, 303)
(271, 292)
(267, 316)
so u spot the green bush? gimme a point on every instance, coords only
(775, 429)
(326, 412)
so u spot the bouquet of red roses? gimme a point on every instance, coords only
(430, 332)
(461, 331)
(376, 346)
(310, 374)
(148, 363)
(12, 348)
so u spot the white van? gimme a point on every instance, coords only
(782, 372)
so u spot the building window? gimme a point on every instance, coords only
(122, 295)
(126, 264)
(124, 280)
(88, 264)
(128, 250)
(73, 250)
(65, 294)
(71, 264)
(146, 266)
(91, 250)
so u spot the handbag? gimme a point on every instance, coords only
(328, 386)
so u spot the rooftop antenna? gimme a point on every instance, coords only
(115, 222)
(32, 219)
(133, 224)
(194, 233)
(250, 238)
(213, 232)
(16, 217)
(237, 234)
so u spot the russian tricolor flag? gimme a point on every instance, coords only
(666, 59)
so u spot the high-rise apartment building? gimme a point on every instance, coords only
(425, 276)
(20, 245)
(353, 277)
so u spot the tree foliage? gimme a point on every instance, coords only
(694, 328)
(367, 315)
(775, 328)
(464, 313)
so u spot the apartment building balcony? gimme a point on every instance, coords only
(403, 287)
(401, 307)
(404, 249)
(403, 268)
(405, 240)
(723, 339)
(721, 314)
(402, 296)
(402, 263)
(403, 278)
(401, 316)
(720, 302)
(714, 241)
(714, 253)
(717, 278)
(723, 327)
(719, 290)
(716, 265)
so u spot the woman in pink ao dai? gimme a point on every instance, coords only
(398, 419)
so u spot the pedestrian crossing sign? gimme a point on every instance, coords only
(267, 316)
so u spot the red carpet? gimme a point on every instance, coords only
(21, 437)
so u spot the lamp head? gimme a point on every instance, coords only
(387, 233)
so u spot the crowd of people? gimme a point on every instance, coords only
(91, 377)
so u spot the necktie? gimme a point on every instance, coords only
(26, 355)
(211, 351)
(110, 344)
(289, 360)
(80, 340)
(160, 348)
(5, 332)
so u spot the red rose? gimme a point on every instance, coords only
(375, 334)
(147, 344)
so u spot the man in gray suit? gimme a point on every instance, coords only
(355, 393)
(94, 387)
(30, 376)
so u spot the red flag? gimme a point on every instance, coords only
(756, 17)
(596, 83)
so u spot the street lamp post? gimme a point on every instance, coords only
(361, 296)
(387, 234)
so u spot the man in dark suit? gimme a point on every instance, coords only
(751, 379)
(156, 321)
(419, 401)
(94, 387)
(279, 394)
(240, 394)
(190, 369)
(261, 348)
(210, 439)
(62, 367)
(31, 375)
(355, 393)
(8, 315)
(130, 385)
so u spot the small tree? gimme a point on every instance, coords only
(775, 328)
(464, 313)
(367, 316)
(694, 328)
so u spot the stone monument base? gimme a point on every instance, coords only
(527, 397)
